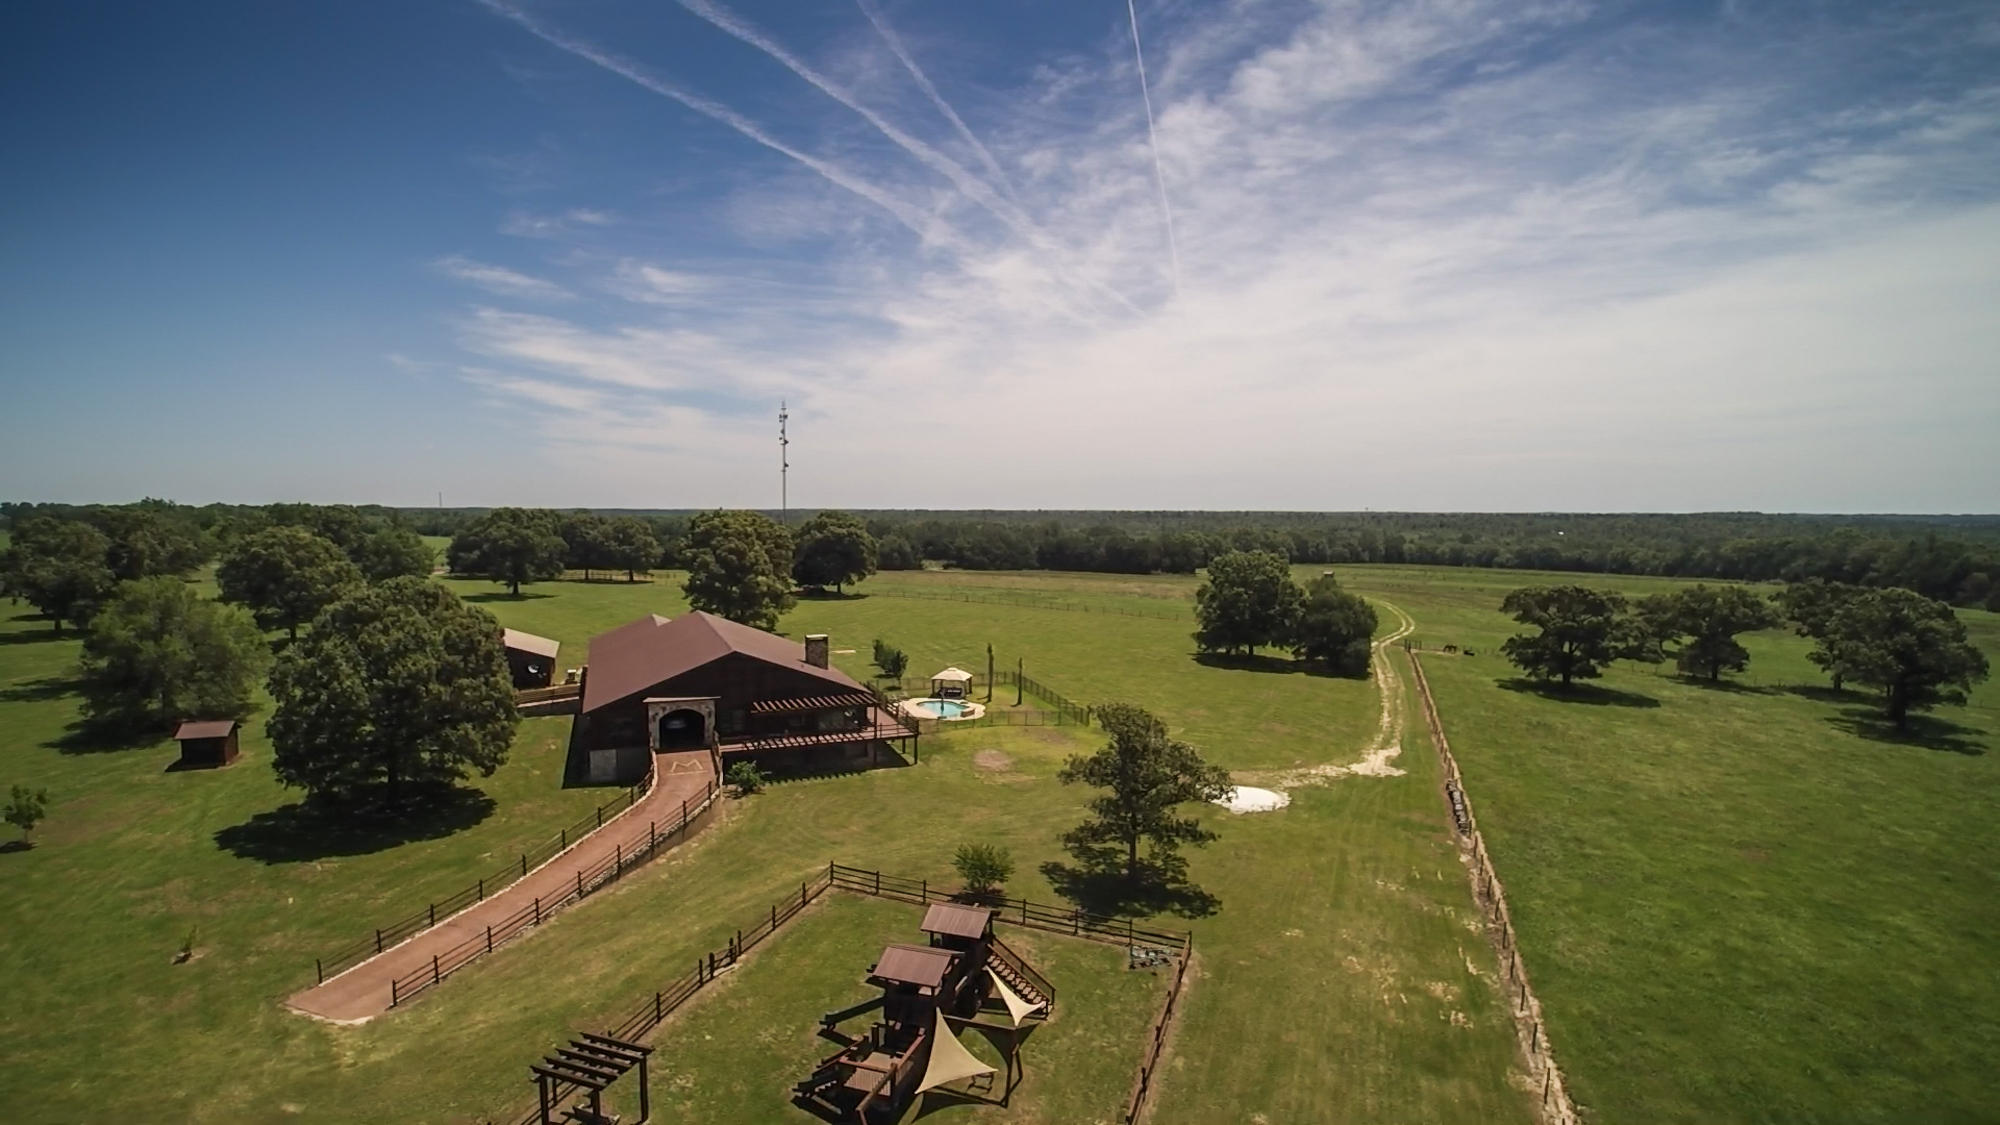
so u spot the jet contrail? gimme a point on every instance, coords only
(923, 226)
(1153, 142)
(902, 54)
(976, 189)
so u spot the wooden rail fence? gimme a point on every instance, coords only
(659, 834)
(400, 930)
(1529, 1027)
(653, 1010)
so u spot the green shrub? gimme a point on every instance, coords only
(746, 777)
(984, 867)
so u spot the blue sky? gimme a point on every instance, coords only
(1431, 254)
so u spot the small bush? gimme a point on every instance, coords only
(891, 660)
(25, 808)
(984, 867)
(746, 777)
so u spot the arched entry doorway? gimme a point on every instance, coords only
(682, 728)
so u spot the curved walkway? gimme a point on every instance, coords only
(362, 992)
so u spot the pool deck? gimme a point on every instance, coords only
(919, 709)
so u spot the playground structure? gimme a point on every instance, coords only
(591, 1062)
(964, 977)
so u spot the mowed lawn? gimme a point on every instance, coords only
(1339, 974)
(1745, 903)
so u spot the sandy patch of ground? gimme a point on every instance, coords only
(992, 761)
(1388, 741)
(1245, 799)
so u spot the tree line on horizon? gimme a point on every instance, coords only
(1954, 559)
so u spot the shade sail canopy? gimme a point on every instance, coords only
(956, 675)
(1018, 1008)
(950, 1061)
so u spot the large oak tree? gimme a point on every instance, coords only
(285, 575)
(833, 549)
(1910, 648)
(159, 652)
(1702, 623)
(1335, 628)
(1248, 600)
(512, 546)
(1578, 632)
(398, 691)
(61, 566)
(739, 566)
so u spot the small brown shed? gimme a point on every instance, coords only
(207, 743)
(531, 660)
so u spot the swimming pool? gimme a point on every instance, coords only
(950, 710)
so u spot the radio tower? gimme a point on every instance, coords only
(784, 465)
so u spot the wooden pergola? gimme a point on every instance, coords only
(591, 1062)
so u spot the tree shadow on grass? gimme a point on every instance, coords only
(1590, 694)
(1274, 665)
(1821, 693)
(1926, 731)
(1097, 883)
(1728, 687)
(107, 736)
(39, 691)
(307, 830)
(822, 594)
(17, 846)
(504, 596)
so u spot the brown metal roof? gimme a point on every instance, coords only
(528, 642)
(955, 920)
(812, 703)
(913, 964)
(204, 728)
(652, 650)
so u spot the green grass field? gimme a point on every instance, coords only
(1745, 903)
(1736, 906)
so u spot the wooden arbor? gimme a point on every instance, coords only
(591, 1062)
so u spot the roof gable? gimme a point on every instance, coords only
(529, 643)
(646, 652)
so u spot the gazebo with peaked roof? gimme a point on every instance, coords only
(952, 683)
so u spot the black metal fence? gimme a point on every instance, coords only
(395, 932)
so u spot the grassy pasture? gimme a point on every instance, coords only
(1342, 953)
(1744, 903)
(1738, 903)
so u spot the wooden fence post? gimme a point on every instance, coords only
(482, 888)
(434, 914)
(774, 917)
(319, 970)
(524, 865)
(617, 860)
(658, 1014)
(378, 941)
(538, 910)
(392, 992)
(579, 882)
(489, 939)
(434, 969)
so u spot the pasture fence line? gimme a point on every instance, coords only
(646, 1016)
(1023, 599)
(402, 929)
(1529, 1027)
(1158, 1043)
(651, 1011)
(1070, 921)
(660, 835)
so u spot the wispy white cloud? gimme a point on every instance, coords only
(1435, 253)
(501, 280)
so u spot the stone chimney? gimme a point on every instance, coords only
(816, 650)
